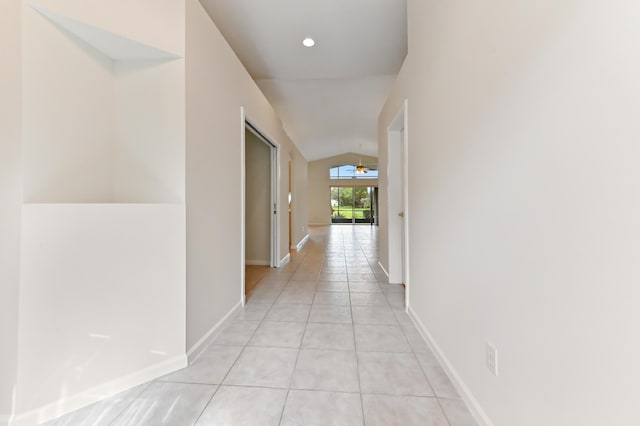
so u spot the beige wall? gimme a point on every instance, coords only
(10, 196)
(299, 197)
(523, 185)
(319, 185)
(217, 87)
(257, 201)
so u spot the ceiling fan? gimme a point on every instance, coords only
(360, 168)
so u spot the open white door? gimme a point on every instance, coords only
(398, 206)
(273, 211)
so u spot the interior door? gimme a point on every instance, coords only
(402, 203)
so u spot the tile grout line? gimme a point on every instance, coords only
(295, 364)
(131, 403)
(355, 347)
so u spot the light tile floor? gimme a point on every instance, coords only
(322, 341)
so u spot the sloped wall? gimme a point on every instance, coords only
(217, 87)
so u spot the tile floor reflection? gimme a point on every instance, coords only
(322, 341)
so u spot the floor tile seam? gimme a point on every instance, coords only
(451, 398)
(327, 349)
(444, 413)
(324, 391)
(276, 347)
(295, 364)
(244, 347)
(355, 347)
(185, 382)
(286, 399)
(126, 407)
(424, 373)
(234, 385)
(401, 395)
(207, 405)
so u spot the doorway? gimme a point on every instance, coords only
(354, 204)
(260, 205)
(398, 200)
(289, 200)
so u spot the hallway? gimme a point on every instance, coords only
(321, 341)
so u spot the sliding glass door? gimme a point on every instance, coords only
(354, 204)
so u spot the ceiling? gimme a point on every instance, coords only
(328, 96)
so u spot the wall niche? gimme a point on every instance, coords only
(104, 115)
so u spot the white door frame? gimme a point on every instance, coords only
(398, 199)
(246, 123)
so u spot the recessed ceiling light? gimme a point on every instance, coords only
(308, 42)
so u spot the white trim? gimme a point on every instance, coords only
(398, 131)
(472, 403)
(257, 262)
(407, 212)
(383, 270)
(285, 260)
(196, 349)
(243, 178)
(98, 393)
(301, 244)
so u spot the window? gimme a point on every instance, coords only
(354, 204)
(348, 171)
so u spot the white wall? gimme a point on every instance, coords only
(96, 131)
(69, 116)
(10, 196)
(101, 129)
(217, 87)
(319, 184)
(524, 206)
(257, 200)
(150, 136)
(102, 301)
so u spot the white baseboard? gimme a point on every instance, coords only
(98, 393)
(472, 403)
(383, 270)
(285, 259)
(301, 244)
(195, 350)
(257, 262)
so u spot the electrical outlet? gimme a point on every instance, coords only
(492, 359)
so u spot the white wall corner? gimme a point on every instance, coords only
(74, 402)
(285, 260)
(194, 351)
(472, 403)
(301, 244)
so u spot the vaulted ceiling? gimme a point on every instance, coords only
(329, 95)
